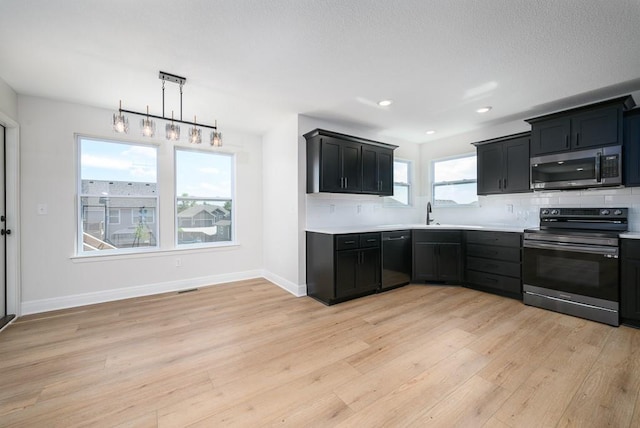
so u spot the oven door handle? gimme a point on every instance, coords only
(588, 249)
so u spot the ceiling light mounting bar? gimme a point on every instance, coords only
(122, 110)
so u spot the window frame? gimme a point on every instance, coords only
(434, 184)
(79, 242)
(390, 200)
(178, 198)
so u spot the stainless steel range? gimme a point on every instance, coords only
(571, 265)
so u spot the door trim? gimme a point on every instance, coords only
(12, 171)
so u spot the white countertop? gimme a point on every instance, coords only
(630, 235)
(391, 227)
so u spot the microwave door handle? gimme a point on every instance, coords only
(598, 167)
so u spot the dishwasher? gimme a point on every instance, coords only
(396, 259)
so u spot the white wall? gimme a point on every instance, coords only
(8, 100)
(326, 209)
(53, 278)
(282, 224)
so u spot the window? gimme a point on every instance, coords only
(401, 182)
(454, 181)
(204, 202)
(117, 182)
(114, 216)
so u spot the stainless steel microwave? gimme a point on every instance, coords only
(577, 169)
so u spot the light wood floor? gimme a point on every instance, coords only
(250, 354)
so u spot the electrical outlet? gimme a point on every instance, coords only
(178, 262)
(509, 208)
(359, 209)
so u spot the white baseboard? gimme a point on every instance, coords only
(293, 288)
(45, 305)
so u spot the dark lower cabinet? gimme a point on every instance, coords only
(357, 272)
(494, 262)
(630, 282)
(437, 256)
(342, 267)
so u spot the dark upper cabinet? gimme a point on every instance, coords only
(377, 170)
(339, 169)
(339, 163)
(503, 165)
(586, 127)
(630, 281)
(551, 136)
(631, 148)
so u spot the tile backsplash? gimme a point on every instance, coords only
(334, 210)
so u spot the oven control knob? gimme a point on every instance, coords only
(617, 212)
(555, 212)
(605, 212)
(545, 212)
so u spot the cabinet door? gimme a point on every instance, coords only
(490, 169)
(351, 167)
(630, 289)
(369, 269)
(449, 262)
(347, 272)
(596, 128)
(632, 148)
(370, 180)
(330, 165)
(425, 261)
(550, 136)
(516, 167)
(385, 172)
(377, 170)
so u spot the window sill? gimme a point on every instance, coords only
(187, 249)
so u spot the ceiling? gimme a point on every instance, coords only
(250, 63)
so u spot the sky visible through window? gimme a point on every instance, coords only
(102, 160)
(202, 174)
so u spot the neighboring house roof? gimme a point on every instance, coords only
(197, 209)
(117, 188)
(223, 223)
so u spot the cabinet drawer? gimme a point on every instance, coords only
(347, 242)
(493, 252)
(498, 282)
(439, 236)
(505, 239)
(369, 240)
(494, 266)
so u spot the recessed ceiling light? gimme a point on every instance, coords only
(385, 103)
(484, 109)
(431, 132)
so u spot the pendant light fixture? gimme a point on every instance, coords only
(195, 134)
(148, 126)
(173, 130)
(121, 123)
(216, 137)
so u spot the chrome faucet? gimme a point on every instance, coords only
(428, 213)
